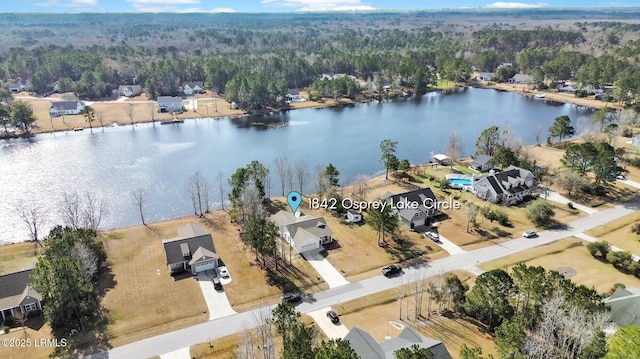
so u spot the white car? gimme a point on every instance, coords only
(529, 234)
(434, 236)
(224, 273)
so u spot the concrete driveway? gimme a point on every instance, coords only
(449, 246)
(332, 331)
(178, 354)
(326, 270)
(217, 301)
(557, 197)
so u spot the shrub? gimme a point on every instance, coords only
(444, 184)
(635, 228)
(540, 212)
(621, 260)
(6, 329)
(570, 205)
(627, 132)
(599, 248)
(581, 93)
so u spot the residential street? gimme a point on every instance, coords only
(172, 341)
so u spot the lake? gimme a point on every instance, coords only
(111, 162)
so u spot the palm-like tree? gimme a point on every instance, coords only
(89, 115)
(22, 116)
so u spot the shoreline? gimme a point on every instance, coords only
(77, 122)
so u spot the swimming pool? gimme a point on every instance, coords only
(460, 181)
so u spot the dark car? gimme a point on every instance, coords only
(391, 270)
(333, 316)
(216, 283)
(291, 298)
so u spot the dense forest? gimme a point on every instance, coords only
(253, 59)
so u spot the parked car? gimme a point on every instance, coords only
(216, 283)
(333, 316)
(434, 236)
(224, 273)
(391, 270)
(291, 298)
(529, 234)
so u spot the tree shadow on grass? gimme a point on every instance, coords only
(404, 250)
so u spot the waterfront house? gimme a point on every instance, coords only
(302, 232)
(366, 346)
(129, 90)
(193, 250)
(17, 295)
(61, 108)
(192, 88)
(481, 163)
(415, 208)
(508, 187)
(521, 79)
(170, 104)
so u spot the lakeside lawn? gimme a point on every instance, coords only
(569, 252)
(17, 257)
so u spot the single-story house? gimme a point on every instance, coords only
(485, 76)
(353, 216)
(366, 346)
(625, 306)
(170, 104)
(294, 95)
(192, 250)
(19, 86)
(66, 108)
(191, 88)
(17, 296)
(415, 208)
(304, 233)
(521, 79)
(507, 187)
(129, 90)
(481, 163)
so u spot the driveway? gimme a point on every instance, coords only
(332, 331)
(178, 354)
(326, 270)
(449, 246)
(217, 301)
(630, 183)
(557, 197)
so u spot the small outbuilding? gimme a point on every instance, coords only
(353, 216)
(481, 163)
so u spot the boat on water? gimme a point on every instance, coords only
(171, 121)
(76, 129)
(540, 96)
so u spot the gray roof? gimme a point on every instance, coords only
(132, 88)
(367, 347)
(14, 287)
(169, 99)
(481, 160)
(200, 239)
(364, 344)
(64, 105)
(419, 196)
(521, 78)
(513, 172)
(194, 84)
(625, 306)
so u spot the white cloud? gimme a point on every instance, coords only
(320, 5)
(515, 5)
(176, 6)
(70, 3)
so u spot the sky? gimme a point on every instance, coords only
(74, 6)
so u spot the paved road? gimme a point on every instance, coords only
(218, 328)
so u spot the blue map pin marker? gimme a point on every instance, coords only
(294, 199)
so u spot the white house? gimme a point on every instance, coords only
(302, 232)
(170, 104)
(66, 108)
(193, 250)
(353, 216)
(507, 187)
(191, 88)
(129, 90)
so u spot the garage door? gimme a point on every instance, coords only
(204, 266)
(308, 247)
(418, 222)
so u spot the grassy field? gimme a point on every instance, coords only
(16, 257)
(618, 233)
(569, 252)
(35, 331)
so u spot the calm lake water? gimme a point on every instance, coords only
(114, 161)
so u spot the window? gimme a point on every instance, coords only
(30, 307)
